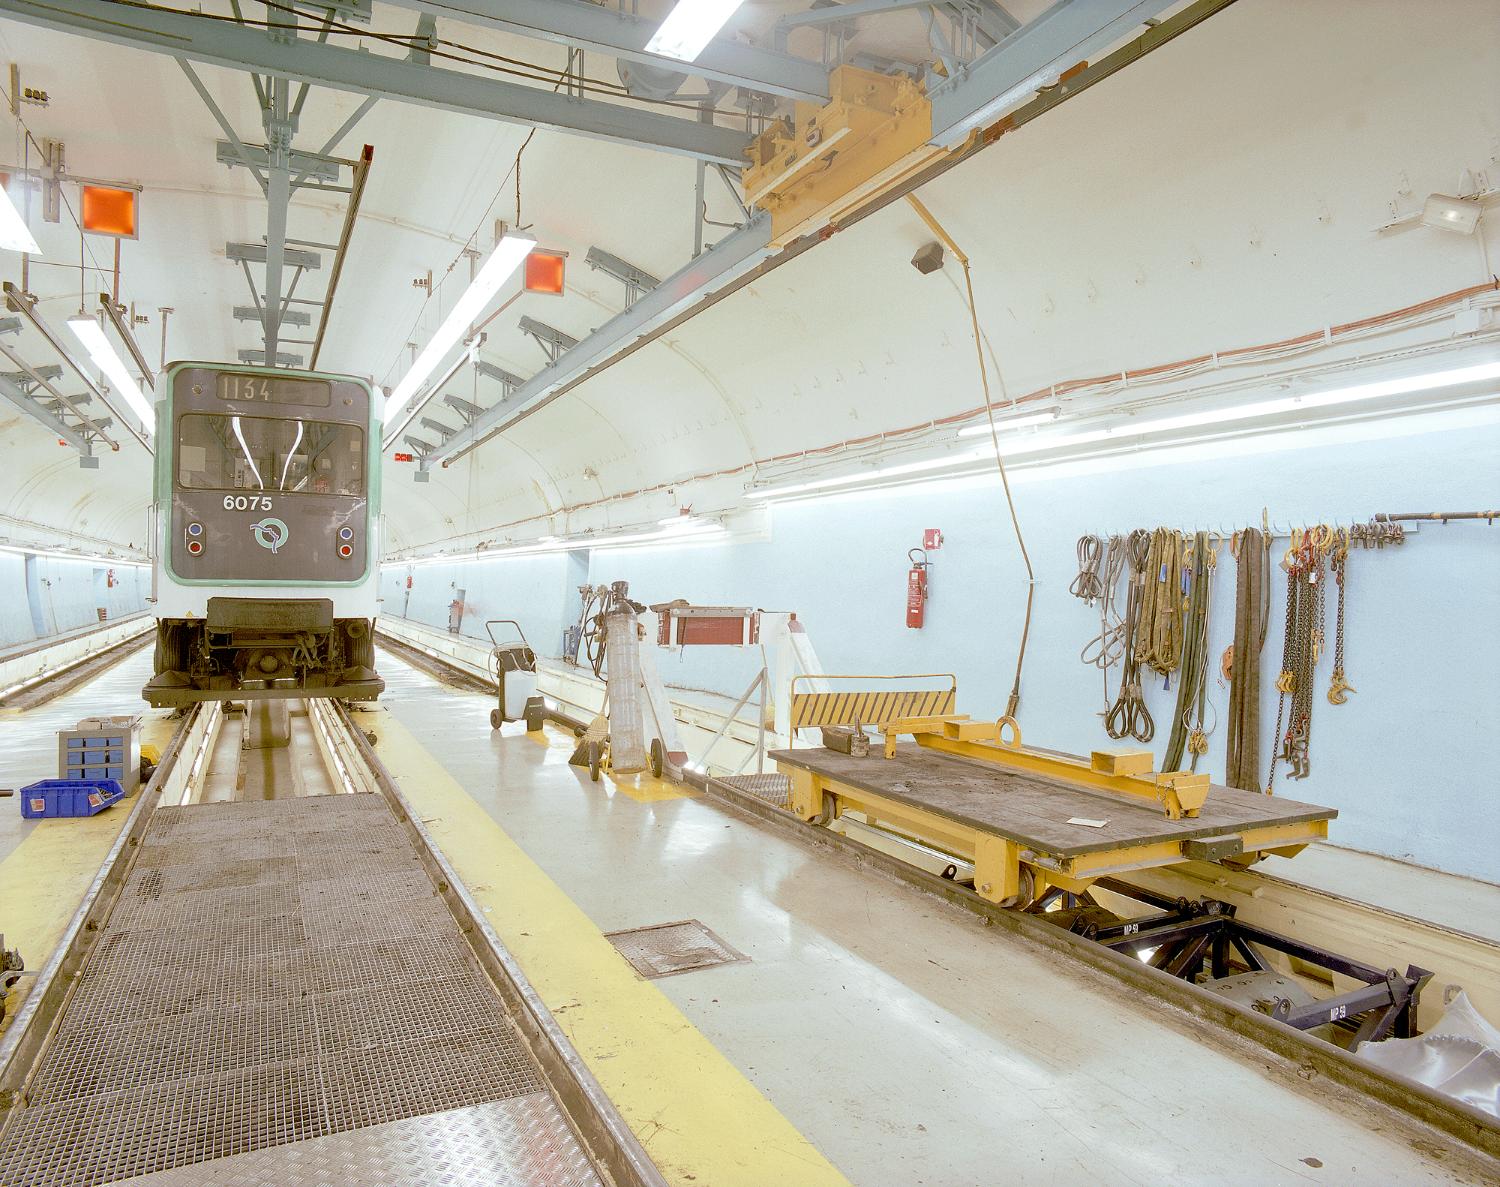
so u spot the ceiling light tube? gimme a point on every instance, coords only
(1407, 385)
(91, 335)
(700, 529)
(60, 554)
(15, 235)
(393, 434)
(508, 255)
(1041, 442)
(897, 471)
(689, 27)
(1024, 420)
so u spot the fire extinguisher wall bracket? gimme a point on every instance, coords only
(916, 588)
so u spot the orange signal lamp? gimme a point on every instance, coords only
(544, 272)
(109, 211)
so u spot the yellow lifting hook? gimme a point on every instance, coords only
(1339, 688)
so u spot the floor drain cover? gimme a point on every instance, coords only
(668, 948)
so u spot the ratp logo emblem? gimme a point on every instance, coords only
(270, 533)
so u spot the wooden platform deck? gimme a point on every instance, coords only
(1034, 810)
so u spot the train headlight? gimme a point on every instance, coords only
(195, 529)
(346, 533)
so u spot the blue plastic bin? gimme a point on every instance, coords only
(57, 798)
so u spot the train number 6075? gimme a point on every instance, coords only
(247, 503)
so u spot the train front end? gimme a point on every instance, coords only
(265, 534)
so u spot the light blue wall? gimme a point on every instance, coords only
(1407, 761)
(47, 595)
(533, 590)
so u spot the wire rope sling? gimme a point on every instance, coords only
(1100, 565)
(1128, 717)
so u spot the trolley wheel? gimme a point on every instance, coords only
(596, 760)
(495, 719)
(534, 718)
(657, 758)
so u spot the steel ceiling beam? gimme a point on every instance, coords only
(237, 47)
(1068, 33)
(11, 392)
(725, 262)
(620, 35)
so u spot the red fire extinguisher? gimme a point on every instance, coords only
(916, 588)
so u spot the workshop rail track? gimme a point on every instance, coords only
(1466, 1137)
(41, 1032)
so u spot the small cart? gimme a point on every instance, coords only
(513, 664)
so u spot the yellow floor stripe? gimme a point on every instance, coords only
(44, 878)
(702, 1122)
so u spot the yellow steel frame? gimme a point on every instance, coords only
(1006, 871)
(825, 161)
(876, 707)
(1128, 773)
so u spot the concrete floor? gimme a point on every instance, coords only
(908, 1043)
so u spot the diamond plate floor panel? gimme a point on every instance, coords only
(279, 995)
(508, 1143)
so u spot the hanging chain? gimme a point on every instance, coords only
(1339, 687)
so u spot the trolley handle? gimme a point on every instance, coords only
(494, 622)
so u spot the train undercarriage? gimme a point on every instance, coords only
(263, 649)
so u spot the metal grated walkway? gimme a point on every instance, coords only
(276, 973)
(772, 787)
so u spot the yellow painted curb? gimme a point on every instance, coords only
(701, 1121)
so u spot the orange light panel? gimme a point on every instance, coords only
(544, 272)
(108, 211)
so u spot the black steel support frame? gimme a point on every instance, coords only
(1193, 938)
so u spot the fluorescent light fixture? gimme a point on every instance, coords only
(1450, 213)
(689, 27)
(897, 471)
(91, 334)
(700, 529)
(1431, 381)
(1041, 442)
(15, 235)
(508, 255)
(60, 554)
(1024, 420)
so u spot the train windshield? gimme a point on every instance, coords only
(218, 452)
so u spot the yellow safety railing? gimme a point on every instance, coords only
(874, 707)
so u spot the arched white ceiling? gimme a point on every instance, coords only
(1224, 191)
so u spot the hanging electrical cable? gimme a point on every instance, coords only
(1014, 701)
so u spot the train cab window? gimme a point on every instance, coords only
(290, 455)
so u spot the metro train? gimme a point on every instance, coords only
(265, 535)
